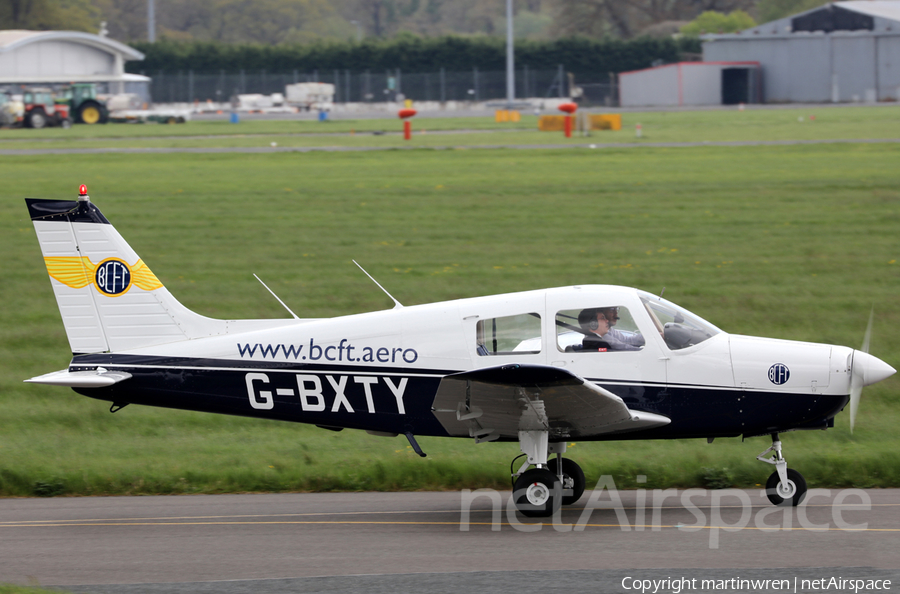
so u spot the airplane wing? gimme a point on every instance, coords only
(498, 402)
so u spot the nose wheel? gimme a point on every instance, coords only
(785, 486)
(780, 492)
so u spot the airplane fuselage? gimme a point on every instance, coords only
(381, 371)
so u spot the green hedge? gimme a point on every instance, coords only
(412, 54)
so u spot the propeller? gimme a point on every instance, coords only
(866, 370)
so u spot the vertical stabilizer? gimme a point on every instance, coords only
(108, 298)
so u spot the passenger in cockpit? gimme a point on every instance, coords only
(600, 335)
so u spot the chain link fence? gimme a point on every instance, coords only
(370, 87)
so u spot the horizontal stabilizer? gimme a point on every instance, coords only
(97, 378)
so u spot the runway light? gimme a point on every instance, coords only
(82, 190)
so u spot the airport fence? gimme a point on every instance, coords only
(390, 85)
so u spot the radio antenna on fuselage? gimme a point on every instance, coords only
(397, 304)
(276, 297)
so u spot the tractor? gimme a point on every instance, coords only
(42, 110)
(83, 103)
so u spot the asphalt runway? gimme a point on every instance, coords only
(392, 542)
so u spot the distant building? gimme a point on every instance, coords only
(56, 57)
(840, 52)
(691, 83)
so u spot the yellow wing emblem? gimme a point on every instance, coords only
(143, 278)
(72, 272)
(79, 272)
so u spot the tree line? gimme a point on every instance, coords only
(409, 53)
(277, 22)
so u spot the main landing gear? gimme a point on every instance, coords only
(540, 491)
(785, 484)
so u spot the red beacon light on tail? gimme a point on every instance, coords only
(82, 190)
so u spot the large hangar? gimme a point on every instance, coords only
(691, 83)
(840, 52)
(49, 57)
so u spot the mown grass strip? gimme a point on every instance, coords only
(765, 124)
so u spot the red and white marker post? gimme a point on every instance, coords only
(404, 114)
(569, 109)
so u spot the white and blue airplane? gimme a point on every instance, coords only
(542, 368)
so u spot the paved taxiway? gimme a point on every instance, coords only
(375, 541)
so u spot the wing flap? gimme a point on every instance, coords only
(97, 378)
(498, 402)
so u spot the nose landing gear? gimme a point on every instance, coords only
(540, 491)
(785, 484)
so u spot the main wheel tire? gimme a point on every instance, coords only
(793, 492)
(538, 493)
(572, 479)
(37, 119)
(90, 113)
(65, 123)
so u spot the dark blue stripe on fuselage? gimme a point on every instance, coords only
(92, 361)
(352, 397)
(221, 386)
(722, 412)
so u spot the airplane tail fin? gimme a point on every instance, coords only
(108, 298)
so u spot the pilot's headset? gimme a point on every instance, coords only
(587, 319)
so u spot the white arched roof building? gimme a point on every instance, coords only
(47, 57)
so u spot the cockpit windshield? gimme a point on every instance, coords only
(678, 327)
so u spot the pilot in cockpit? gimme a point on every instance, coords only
(600, 335)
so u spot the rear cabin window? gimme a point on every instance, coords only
(597, 329)
(509, 335)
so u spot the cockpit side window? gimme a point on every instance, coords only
(679, 328)
(601, 329)
(509, 335)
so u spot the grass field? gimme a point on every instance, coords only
(791, 242)
(689, 126)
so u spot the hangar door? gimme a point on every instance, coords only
(739, 86)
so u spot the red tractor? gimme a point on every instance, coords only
(42, 110)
